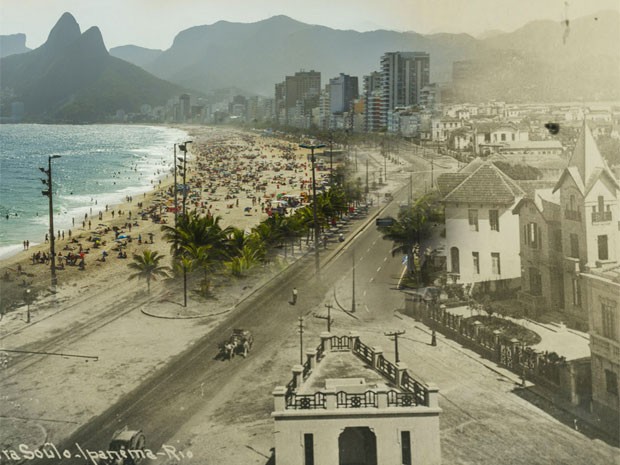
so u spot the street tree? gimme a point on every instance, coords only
(147, 265)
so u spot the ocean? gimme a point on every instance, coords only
(99, 165)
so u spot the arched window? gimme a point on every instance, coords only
(454, 260)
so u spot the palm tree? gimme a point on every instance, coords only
(147, 266)
(201, 257)
(411, 231)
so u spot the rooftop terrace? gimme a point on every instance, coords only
(344, 373)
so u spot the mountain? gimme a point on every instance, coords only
(546, 61)
(255, 56)
(139, 56)
(12, 44)
(73, 78)
(540, 61)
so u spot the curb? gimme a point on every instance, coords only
(189, 317)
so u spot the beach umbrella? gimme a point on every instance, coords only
(247, 209)
(122, 236)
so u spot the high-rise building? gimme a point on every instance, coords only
(342, 91)
(403, 75)
(301, 95)
(373, 97)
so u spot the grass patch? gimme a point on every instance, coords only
(509, 329)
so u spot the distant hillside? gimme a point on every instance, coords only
(256, 56)
(12, 44)
(546, 61)
(139, 56)
(540, 61)
(72, 78)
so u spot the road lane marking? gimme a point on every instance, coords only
(385, 259)
(378, 269)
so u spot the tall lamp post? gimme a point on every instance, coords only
(182, 148)
(49, 194)
(312, 147)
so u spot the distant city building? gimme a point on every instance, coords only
(403, 76)
(301, 96)
(373, 98)
(343, 90)
(184, 108)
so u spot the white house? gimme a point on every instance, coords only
(482, 234)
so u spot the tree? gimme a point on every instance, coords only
(148, 266)
(412, 231)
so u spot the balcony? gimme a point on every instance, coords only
(573, 215)
(599, 217)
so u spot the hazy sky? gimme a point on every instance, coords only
(154, 23)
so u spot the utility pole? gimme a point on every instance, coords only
(432, 172)
(317, 264)
(49, 193)
(395, 334)
(353, 288)
(367, 180)
(410, 189)
(301, 340)
(328, 317)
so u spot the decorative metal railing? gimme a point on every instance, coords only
(320, 352)
(340, 343)
(413, 393)
(413, 387)
(307, 401)
(307, 369)
(598, 217)
(348, 400)
(402, 399)
(386, 368)
(363, 351)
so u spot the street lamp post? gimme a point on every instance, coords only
(312, 147)
(49, 194)
(182, 148)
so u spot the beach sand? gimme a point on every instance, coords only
(235, 175)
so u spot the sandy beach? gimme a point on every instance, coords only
(239, 176)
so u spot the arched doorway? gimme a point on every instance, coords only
(357, 446)
(454, 260)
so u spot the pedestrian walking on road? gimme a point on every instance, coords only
(433, 338)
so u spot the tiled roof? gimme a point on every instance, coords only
(448, 181)
(486, 185)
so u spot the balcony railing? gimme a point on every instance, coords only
(572, 215)
(407, 392)
(598, 217)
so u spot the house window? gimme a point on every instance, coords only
(603, 252)
(308, 449)
(608, 310)
(405, 447)
(476, 259)
(574, 246)
(601, 203)
(503, 137)
(513, 137)
(454, 259)
(557, 240)
(494, 220)
(473, 220)
(576, 293)
(611, 382)
(533, 235)
(495, 264)
(535, 282)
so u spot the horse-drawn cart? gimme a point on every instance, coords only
(239, 343)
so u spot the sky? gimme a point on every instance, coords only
(155, 23)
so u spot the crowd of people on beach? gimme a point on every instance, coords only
(253, 175)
